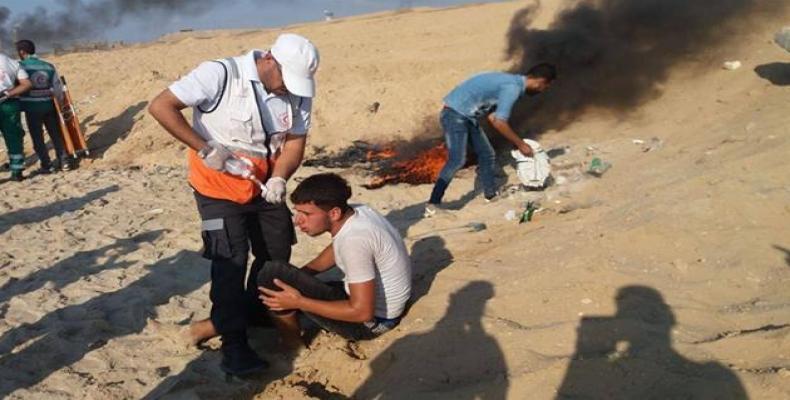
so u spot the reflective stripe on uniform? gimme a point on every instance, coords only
(212, 224)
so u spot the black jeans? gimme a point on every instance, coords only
(35, 122)
(314, 288)
(230, 231)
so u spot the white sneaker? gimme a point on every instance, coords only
(430, 210)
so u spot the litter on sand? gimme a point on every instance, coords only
(533, 172)
(598, 167)
(529, 209)
(731, 65)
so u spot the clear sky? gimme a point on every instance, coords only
(235, 14)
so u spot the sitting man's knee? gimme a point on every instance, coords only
(272, 270)
(276, 264)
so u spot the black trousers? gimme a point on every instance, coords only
(36, 120)
(230, 231)
(312, 287)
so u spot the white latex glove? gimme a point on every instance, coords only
(215, 155)
(275, 190)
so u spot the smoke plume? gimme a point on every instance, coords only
(71, 20)
(614, 55)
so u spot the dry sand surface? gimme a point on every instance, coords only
(670, 271)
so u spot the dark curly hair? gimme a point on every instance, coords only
(326, 191)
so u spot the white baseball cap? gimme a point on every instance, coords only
(299, 61)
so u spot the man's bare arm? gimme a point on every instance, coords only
(323, 261)
(166, 109)
(504, 129)
(291, 157)
(23, 86)
(358, 308)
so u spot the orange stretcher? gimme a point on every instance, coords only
(73, 138)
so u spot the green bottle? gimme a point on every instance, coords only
(526, 216)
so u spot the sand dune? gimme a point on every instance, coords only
(669, 272)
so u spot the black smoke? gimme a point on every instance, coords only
(4, 14)
(614, 55)
(72, 20)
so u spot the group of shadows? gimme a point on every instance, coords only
(627, 355)
(107, 133)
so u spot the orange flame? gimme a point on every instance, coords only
(383, 154)
(423, 168)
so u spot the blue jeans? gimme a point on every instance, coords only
(458, 130)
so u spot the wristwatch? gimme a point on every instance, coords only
(204, 152)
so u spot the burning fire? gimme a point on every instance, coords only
(422, 168)
(383, 154)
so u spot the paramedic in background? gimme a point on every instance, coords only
(13, 82)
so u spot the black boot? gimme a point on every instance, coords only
(46, 169)
(17, 176)
(240, 359)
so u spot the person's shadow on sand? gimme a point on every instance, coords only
(202, 377)
(66, 335)
(45, 212)
(81, 265)
(777, 73)
(429, 256)
(114, 129)
(629, 356)
(456, 360)
(406, 217)
(786, 252)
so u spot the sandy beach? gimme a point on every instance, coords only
(671, 269)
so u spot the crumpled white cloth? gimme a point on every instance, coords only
(532, 171)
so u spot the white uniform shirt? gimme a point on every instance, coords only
(368, 247)
(202, 88)
(10, 72)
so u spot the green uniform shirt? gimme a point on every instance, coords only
(44, 79)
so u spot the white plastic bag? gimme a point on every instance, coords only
(532, 171)
(782, 38)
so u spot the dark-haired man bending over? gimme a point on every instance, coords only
(365, 246)
(490, 95)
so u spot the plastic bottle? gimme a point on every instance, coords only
(242, 168)
(238, 167)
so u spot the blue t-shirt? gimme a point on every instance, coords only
(483, 93)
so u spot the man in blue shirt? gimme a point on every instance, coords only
(491, 95)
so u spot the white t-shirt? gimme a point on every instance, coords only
(202, 88)
(10, 72)
(368, 247)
